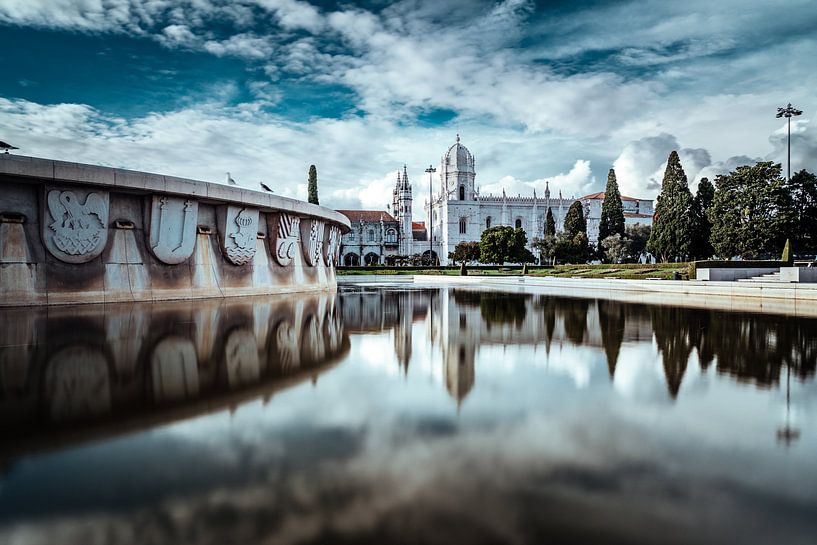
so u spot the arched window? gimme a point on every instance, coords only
(488, 222)
(463, 226)
(462, 192)
(391, 235)
(518, 223)
(371, 235)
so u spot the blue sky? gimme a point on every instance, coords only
(557, 91)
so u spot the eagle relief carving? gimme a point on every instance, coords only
(75, 229)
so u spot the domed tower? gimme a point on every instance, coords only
(402, 212)
(457, 173)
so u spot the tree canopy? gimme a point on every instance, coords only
(671, 233)
(700, 247)
(465, 252)
(752, 212)
(501, 244)
(312, 186)
(803, 190)
(612, 211)
(550, 224)
(575, 222)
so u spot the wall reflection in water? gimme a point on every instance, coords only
(137, 365)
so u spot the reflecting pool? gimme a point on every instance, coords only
(384, 415)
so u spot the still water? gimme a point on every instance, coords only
(380, 415)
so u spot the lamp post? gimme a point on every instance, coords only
(788, 112)
(430, 170)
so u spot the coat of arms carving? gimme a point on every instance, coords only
(239, 231)
(75, 226)
(284, 230)
(173, 228)
(332, 246)
(312, 232)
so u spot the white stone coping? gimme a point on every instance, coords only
(145, 182)
(765, 297)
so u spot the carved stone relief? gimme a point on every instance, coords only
(75, 223)
(312, 233)
(332, 246)
(173, 228)
(283, 231)
(239, 229)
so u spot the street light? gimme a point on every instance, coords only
(430, 170)
(788, 112)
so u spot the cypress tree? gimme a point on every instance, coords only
(312, 187)
(803, 190)
(701, 248)
(671, 233)
(574, 220)
(612, 211)
(550, 224)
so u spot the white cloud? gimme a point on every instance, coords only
(577, 182)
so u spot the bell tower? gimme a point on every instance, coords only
(402, 212)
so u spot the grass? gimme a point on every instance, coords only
(663, 271)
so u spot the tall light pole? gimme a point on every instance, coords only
(788, 112)
(430, 170)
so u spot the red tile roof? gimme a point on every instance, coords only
(418, 226)
(600, 196)
(367, 215)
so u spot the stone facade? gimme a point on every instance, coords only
(72, 233)
(461, 214)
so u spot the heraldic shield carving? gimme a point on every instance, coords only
(173, 228)
(312, 233)
(239, 230)
(332, 246)
(75, 224)
(284, 230)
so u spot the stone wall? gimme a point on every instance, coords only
(74, 233)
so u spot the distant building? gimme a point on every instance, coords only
(635, 211)
(460, 214)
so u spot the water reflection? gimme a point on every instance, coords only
(750, 347)
(452, 416)
(70, 372)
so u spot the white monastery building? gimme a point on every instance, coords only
(460, 214)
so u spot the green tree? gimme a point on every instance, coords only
(573, 250)
(752, 212)
(612, 211)
(574, 220)
(672, 228)
(312, 186)
(700, 247)
(803, 190)
(550, 224)
(503, 244)
(616, 249)
(639, 235)
(465, 252)
(546, 246)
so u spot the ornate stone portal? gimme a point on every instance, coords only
(75, 223)
(173, 228)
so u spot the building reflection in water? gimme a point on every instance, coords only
(70, 373)
(749, 347)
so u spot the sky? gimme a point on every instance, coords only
(554, 91)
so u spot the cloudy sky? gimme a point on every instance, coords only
(557, 90)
